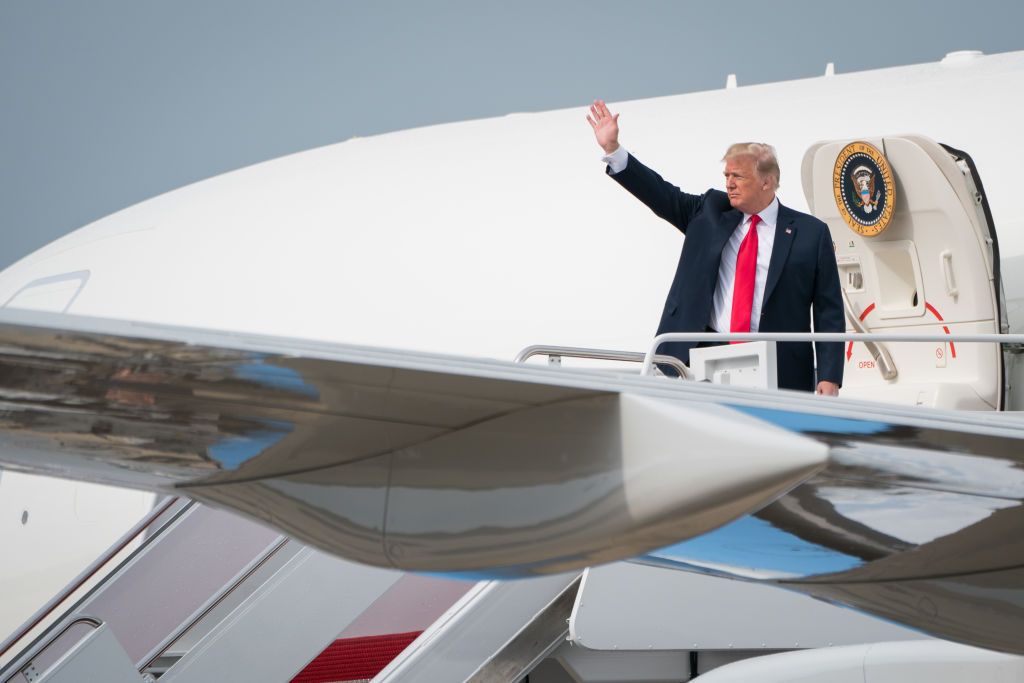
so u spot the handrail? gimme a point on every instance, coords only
(601, 354)
(215, 600)
(87, 574)
(819, 337)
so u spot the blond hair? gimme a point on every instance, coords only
(765, 161)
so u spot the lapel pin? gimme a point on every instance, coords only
(789, 231)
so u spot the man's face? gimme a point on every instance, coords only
(747, 191)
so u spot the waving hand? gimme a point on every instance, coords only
(605, 125)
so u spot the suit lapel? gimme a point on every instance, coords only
(726, 224)
(785, 232)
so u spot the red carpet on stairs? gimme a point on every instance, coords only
(354, 659)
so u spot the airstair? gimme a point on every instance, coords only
(207, 595)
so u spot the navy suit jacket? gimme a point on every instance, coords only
(802, 275)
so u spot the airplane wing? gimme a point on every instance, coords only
(477, 467)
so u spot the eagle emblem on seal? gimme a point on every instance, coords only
(864, 188)
(866, 197)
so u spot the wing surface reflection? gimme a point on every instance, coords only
(919, 524)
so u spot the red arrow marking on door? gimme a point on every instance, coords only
(952, 346)
(849, 347)
(928, 306)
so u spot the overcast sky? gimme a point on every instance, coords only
(108, 102)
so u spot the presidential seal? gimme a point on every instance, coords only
(864, 189)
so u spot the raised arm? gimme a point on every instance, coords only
(662, 197)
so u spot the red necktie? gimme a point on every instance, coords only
(743, 286)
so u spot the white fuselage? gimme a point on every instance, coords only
(482, 237)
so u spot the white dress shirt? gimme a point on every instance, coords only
(721, 312)
(617, 161)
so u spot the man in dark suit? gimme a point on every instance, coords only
(748, 263)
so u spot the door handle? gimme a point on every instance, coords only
(947, 273)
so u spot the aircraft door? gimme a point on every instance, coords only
(916, 253)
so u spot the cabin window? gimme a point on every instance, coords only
(54, 293)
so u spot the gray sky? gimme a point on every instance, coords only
(108, 102)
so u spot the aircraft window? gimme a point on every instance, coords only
(54, 293)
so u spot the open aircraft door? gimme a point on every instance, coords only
(917, 252)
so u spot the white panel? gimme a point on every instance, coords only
(748, 365)
(932, 661)
(672, 610)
